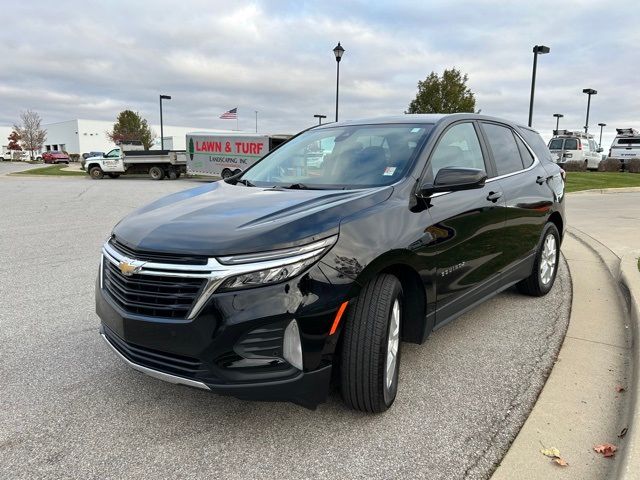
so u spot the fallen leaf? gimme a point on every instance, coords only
(623, 432)
(606, 449)
(551, 452)
(619, 389)
(561, 461)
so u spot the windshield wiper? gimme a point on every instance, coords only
(244, 182)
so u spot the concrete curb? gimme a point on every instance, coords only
(625, 272)
(607, 190)
(630, 278)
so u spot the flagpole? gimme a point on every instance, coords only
(237, 117)
(256, 121)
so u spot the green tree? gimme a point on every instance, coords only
(446, 94)
(131, 126)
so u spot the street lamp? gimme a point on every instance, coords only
(320, 117)
(537, 50)
(338, 51)
(162, 97)
(558, 117)
(589, 92)
(601, 125)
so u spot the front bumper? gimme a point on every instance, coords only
(234, 345)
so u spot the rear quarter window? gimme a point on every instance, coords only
(536, 143)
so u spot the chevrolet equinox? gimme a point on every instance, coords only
(316, 263)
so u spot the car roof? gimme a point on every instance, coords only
(417, 118)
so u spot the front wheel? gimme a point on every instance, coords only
(370, 356)
(545, 267)
(96, 173)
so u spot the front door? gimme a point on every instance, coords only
(466, 226)
(113, 162)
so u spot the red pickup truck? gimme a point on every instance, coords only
(55, 156)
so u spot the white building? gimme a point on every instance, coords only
(80, 136)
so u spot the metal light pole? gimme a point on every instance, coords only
(162, 97)
(320, 117)
(601, 125)
(589, 92)
(338, 51)
(537, 50)
(558, 117)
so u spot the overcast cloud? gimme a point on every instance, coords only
(70, 60)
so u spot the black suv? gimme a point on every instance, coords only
(269, 284)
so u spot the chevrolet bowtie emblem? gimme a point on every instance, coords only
(128, 268)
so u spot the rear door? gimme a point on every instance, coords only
(626, 148)
(528, 197)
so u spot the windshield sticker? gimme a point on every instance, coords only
(389, 171)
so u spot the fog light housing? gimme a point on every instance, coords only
(291, 347)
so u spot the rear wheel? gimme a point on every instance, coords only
(96, 173)
(156, 173)
(237, 171)
(226, 173)
(545, 267)
(370, 355)
(172, 174)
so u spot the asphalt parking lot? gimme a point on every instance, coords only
(71, 409)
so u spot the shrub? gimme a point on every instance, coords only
(633, 165)
(574, 166)
(609, 165)
(74, 157)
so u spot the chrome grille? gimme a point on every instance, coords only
(150, 295)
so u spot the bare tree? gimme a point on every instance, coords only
(30, 130)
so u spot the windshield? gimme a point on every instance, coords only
(341, 157)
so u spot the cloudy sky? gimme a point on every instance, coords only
(69, 59)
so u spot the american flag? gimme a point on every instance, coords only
(230, 115)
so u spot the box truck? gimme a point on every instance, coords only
(224, 155)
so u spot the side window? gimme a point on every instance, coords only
(504, 148)
(586, 145)
(527, 158)
(458, 147)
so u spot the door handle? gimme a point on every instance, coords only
(494, 196)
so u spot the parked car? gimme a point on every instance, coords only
(13, 155)
(626, 145)
(264, 284)
(55, 156)
(567, 146)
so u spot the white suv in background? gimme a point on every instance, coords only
(626, 145)
(568, 146)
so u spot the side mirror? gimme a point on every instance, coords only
(453, 179)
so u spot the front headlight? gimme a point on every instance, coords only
(278, 265)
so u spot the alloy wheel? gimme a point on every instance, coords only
(393, 344)
(548, 259)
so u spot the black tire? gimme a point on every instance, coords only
(113, 175)
(237, 171)
(172, 174)
(365, 346)
(96, 173)
(535, 284)
(226, 173)
(156, 173)
(178, 173)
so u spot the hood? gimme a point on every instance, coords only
(223, 219)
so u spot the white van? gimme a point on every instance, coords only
(567, 146)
